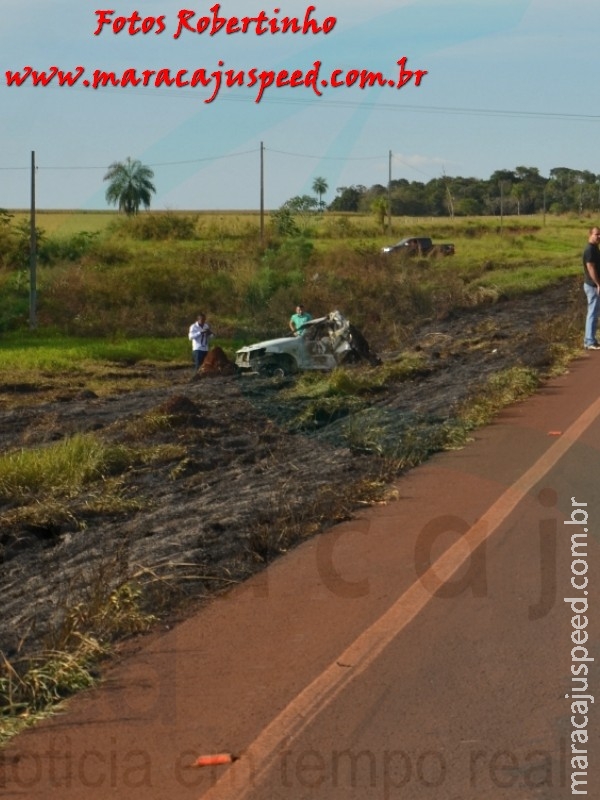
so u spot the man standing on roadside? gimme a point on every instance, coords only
(591, 287)
(199, 334)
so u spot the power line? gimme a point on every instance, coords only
(345, 159)
(190, 94)
(326, 158)
(380, 106)
(155, 164)
(208, 158)
(491, 112)
(288, 154)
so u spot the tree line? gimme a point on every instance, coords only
(520, 191)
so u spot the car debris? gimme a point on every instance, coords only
(324, 344)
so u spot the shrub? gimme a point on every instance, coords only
(160, 226)
(15, 243)
(289, 255)
(109, 252)
(283, 222)
(14, 300)
(71, 248)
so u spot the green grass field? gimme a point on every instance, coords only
(102, 275)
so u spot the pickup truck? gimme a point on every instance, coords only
(419, 246)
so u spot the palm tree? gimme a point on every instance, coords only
(319, 187)
(130, 185)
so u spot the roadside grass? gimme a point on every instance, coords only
(33, 688)
(55, 486)
(346, 392)
(355, 381)
(32, 362)
(58, 469)
(400, 441)
(523, 278)
(45, 489)
(124, 288)
(41, 484)
(500, 390)
(404, 440)
(283, 523)
(33, 351)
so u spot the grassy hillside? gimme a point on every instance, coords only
(103, 275)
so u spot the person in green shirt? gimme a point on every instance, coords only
(297, 320)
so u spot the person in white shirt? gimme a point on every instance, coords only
(199, 335)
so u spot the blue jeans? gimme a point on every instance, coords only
(591, 321)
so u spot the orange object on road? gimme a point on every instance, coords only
(214, 760)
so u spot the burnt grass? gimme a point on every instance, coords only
(241, 480)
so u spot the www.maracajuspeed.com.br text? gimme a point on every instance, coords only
(218, 79)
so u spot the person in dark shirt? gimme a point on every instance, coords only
(591, 287)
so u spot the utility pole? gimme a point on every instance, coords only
(262, 193)
(389, 193)
(544, 204)
(449, 198)
(32, 253)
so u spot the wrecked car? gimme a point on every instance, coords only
(320, 344)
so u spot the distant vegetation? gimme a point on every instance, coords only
(117, 277)
(519, 191)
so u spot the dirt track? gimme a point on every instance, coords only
(251, 483)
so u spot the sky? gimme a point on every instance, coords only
(508, 83)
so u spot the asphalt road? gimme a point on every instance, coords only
(422, 650)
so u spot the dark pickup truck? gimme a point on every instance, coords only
(419, 246)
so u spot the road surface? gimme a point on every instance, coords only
(422, 650)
